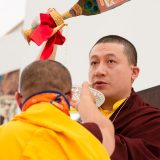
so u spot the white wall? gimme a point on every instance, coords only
(137, 20)
(11, 13)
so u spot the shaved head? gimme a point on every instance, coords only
(45, 75)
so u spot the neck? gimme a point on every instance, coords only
(108, 105)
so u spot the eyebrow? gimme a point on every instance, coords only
(107, 55)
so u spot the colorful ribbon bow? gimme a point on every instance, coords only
(47, 31)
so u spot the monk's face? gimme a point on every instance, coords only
(110, 71)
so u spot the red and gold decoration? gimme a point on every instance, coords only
(52, 22)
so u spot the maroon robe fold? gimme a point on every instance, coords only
(94, 129)
(137, 129)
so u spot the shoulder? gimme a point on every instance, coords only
(136, 113)
(135, 102)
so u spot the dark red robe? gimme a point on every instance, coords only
(137, 130)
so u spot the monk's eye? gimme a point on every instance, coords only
(111, 61)
(92, 63)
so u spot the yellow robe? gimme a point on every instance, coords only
(43, 132)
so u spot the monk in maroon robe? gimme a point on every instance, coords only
(113, 69)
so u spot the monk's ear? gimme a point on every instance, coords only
(18, 97)
(69, 96)
(135, 72)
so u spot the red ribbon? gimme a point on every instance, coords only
(43, 32)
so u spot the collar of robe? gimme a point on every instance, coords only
(55, 98)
